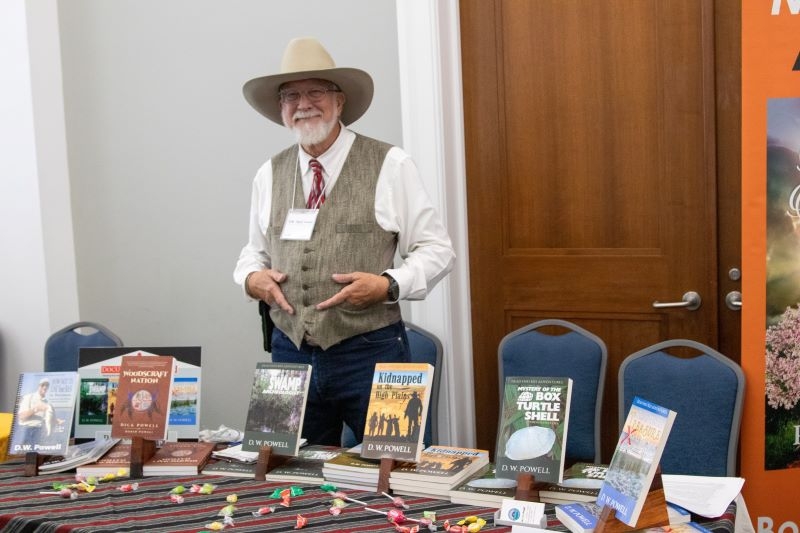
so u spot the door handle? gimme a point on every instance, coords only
(691, 301)
(734, 300)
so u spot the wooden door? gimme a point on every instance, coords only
(591, 176)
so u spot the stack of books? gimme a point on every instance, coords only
(350, 471)
(115, 459)
(438, 471)
(306, 467)
(484, 490)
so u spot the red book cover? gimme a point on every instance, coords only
(143, 397)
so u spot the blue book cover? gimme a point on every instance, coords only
(636, 459)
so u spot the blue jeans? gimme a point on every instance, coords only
(341, 378)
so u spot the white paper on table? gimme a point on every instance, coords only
(707, 496)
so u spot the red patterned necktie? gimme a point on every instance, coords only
(317, 196)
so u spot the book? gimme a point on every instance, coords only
(230, 469)
(306, 467)
(43, 411)
(532, 432)
(585, 475)
(143, 397)
(635, 460)
(77, 455)
(178, 459)
(350, 470)
(484, 489)
(583, 518)
(399, 397)
(235, 454)
(558, 493)
(277, 407)
(99, 371)
(440, 468)
(116, 459)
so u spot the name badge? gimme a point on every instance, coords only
(299, 224)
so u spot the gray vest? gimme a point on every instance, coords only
(346, 238)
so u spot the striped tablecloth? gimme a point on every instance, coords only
(107, 509)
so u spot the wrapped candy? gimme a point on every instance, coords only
(176, 498)
(215, 526)
(232, 498)
(396, 501)
(395, 516)
(227, 510)
(128, 487)
(207, 488)
(264, 510)
(180, 489)
(301, 522)
(328, 487)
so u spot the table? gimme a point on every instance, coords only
(149, 508)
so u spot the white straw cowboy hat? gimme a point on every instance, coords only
(305, 58)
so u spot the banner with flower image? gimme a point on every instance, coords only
(782, 371)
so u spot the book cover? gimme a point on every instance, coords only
(445, 465)
(585, 475)
(117, 458)
(277, 407)
(77, 455)
(43, 411)
(484, 489)
(397, 412)
(230, 469)
(99, 371)
(178, 458)
(306, 467)
(352, 463)
(636, 459)
(143, 397)
(532, 432)
(579, 517)
(558, 493)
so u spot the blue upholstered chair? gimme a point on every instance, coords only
(425, 348)
(575, 353)
(704, 388)
(62, 347)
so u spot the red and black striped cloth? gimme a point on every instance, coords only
(107, 509)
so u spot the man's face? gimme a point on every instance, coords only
(43, 389)
(311, 109)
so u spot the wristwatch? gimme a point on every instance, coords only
(393, 293)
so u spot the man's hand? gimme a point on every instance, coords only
(360, 290)
(265, 285)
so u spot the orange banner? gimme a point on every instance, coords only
(770, 107)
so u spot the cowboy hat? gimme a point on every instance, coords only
(305, 58)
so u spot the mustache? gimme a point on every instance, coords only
(298, 115)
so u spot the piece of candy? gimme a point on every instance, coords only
(176, 498)
(396, 501)
(339, 503)
(264, 510)
(301, 522)
(227, 521)
(231, 498)
(295, 491)
(335, 511)
(227, 510)
(128, 487)
(180, 489)
(215, 526)
(328, 487)
(207, 488)
(430, 514)
(395, 516)
(286, 501)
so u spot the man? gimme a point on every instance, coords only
(36, 415)
(326, 218)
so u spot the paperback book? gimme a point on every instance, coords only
(350, 470)
(43, 413)
(230, 469)
(484, 489)
(143, 397)
(397, 412)
(99, 371)
(636, 459)
(532, 432)
(585, 475)
(77, 455)
(178, 459)
(558, 493)
(439, 469)
(306, 467)
(277, 407)
(116, 459)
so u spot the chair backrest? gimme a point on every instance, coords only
(706, 391)
(577, 354)
(62, 347)
(425, 347)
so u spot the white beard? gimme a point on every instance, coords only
(309, 134)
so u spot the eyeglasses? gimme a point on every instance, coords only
(316, 94)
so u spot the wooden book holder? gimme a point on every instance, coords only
(527, 488)
(654, 512)
(33, 460)
(267, 461)
(141, 452)
(387, 465)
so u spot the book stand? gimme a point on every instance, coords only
(267, 461)
(527, 488)
(141, 452)
(387, 465)
(33, 460)
(654, 512)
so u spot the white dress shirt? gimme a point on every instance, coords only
(401, 206)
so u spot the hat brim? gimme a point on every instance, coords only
(262, 93)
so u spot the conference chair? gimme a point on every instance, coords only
(538, 349)
(425, 347)
(62, 347)
(704, 388)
